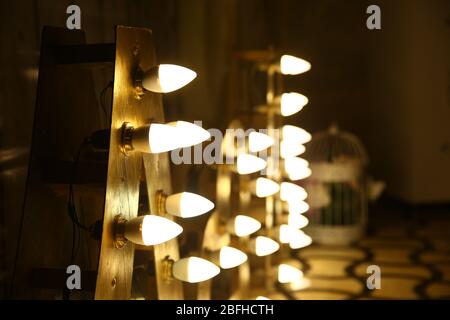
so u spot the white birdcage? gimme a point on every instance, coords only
(337, 188)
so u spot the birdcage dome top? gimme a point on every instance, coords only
(336, 146)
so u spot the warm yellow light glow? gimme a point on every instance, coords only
(243, 226)
(194, 269)
(296, 207)
(262, 298)
(288, 273)
(258, 141)
(285, 233)
(263, 187)
(297, 168)
(299, 240)
(231, 257)
(297, 221)
(300, 284)
(292, 103)
(288, 149)
(150, 230)
(295, 135)
(189, 134)
(292, 65)
(187, 205)
(167, 78)
(247, 163)
(301, 173)
(263, 246)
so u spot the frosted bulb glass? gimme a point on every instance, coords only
(243, 226)
(297, 168)
(167, 78)
(151, 230)
(161, 138)
(194, 269)
(288, 149)
(187, 205)
(263, 246)
(247, 163)
(297, 221)
(264, 187)
(300, 284)
(259, 141)
(288, 273)
(293, 134)
(292, 192)
(285, 233)
(189, 134)
(293, 66)
(299, 240)
(231, 257)
(292, 103)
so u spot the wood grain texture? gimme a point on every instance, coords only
(134, 47)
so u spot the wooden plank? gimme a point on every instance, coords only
(52, 278)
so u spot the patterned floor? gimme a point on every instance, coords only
(413, 253)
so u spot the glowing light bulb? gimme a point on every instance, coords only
(166, 78)
(288, 149)
(263, 246)
(194, 269)
(292, 103)
(231, 257)
(259, 141)
(299, 240)
(187, 205)
(262, 298)
(297, 221)
(263, 187)
(297, 168)
(296, 207)
(295, 135)
(291, 65)
(243, 226)
(189, 134)
(292, 192)
(247, 163)
(288, 273)
(285, 233)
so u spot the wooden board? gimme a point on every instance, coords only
(134, 47)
